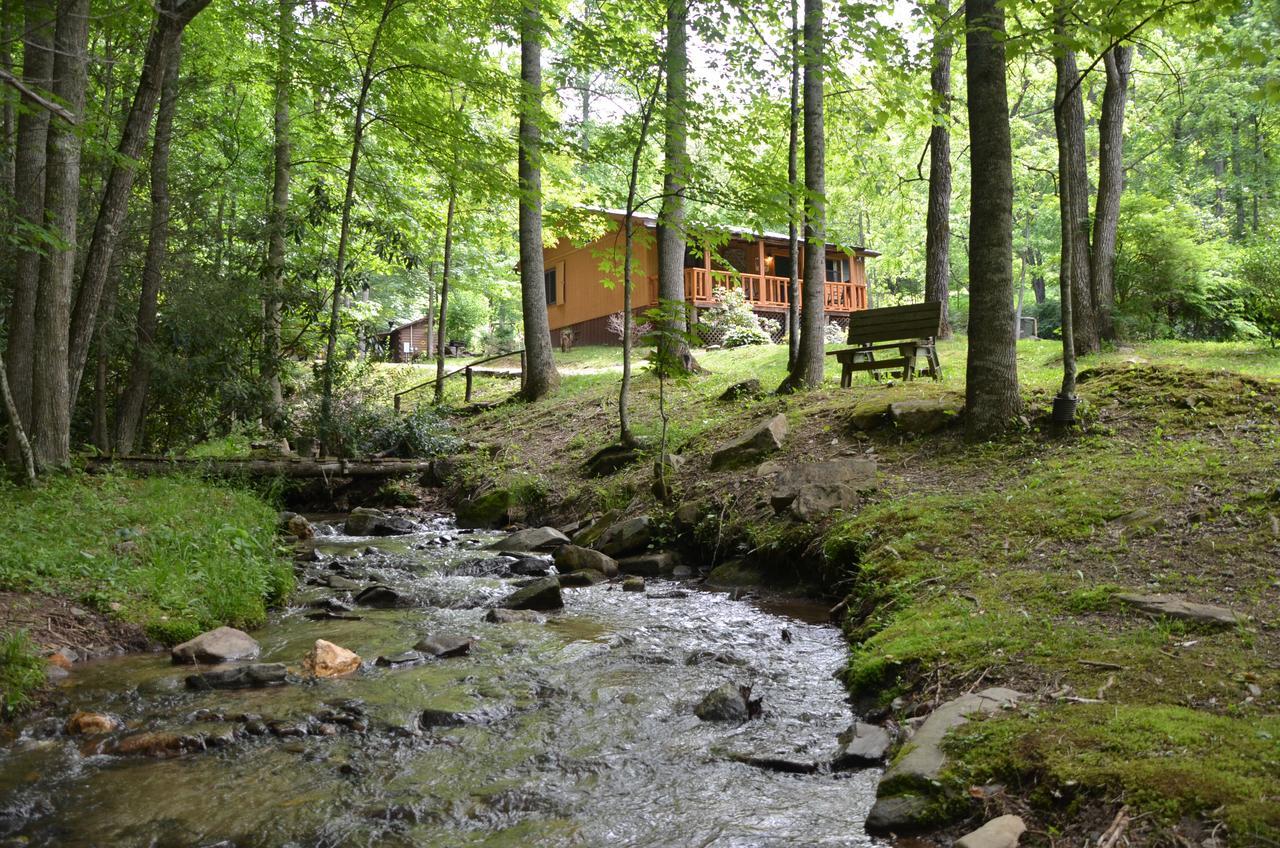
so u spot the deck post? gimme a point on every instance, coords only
(760, 294)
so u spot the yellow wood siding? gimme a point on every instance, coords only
(582, 293)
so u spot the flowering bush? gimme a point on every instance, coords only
(834, 333)
(732, 322)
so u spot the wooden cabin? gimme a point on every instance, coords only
(584, 282)
(408, 341)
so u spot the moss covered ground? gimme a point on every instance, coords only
(975, 565)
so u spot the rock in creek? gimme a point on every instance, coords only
(331, 605)
(442, 647)
(574, 558)
(89, 723)
(1001, 832)
(441, 718)
(299, 527)
(364, 521)
(510, 616)
(222, 644)
(330, 615)
(541, 594)
(155, 744)
(380, 597)
(342, 584)
(625, 537)
(780, 763)
(765, 438)
(1171, 606)
(862, 745)
(240, 677)
(326, 659)
(652, 564)
(728, 702)
(530, 567)
(633, 584)
(404, 658)
(532, 539)
(581, 579)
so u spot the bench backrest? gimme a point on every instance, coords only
(895, 323)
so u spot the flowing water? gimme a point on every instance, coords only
(577, 730)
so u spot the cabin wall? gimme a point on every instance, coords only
(581, 293)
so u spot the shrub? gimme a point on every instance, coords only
(834, 333)
(732, 322)
(21, 672)
(364, 428)
(638, 329)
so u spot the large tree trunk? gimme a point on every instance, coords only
(793, 200)
(9, 34)
(50, 392)
(673, 351)
(992, 400)
(171, 17)
(1073, 197)
(540, 374)
(344, 230)
(134, 399)
(28, 195)
(937, 250)
(1106, 215)
(278, 220)
(807, 371)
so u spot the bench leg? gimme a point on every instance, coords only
(846, 375)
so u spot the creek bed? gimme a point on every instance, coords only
(576, 730)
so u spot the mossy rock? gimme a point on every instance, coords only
(734, 574)
(487, 511)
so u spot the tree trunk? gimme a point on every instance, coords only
(1073, 196)
(793, 201)
(991, 391)
(937, 262)
(134, 399)
(540, 374)
(50, 391)
(807, 371)
(171, 17)
(9, 33)
(344, 231)
(672, 350)
(1237, 183)
(29, 178)
(15, 426)
(444, 279)
(278, 220)
(1106, 214)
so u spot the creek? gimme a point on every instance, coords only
(575, 729)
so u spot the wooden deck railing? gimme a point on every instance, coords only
(765, 291)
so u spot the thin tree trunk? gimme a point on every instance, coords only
(50, 393)
(9, 34)
(445, 276)
(793, 201)
(807, 371)
(100, 435)
(540, 374)
(29, 179)
(1073, 195)
(672, 350)
(1106, 214)
(171, 17)
(937, 263)
(344, 232)
(134, 399)
(991, 389)
(1237, 183)
(15, 426)
(279, 219)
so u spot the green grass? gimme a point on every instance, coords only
(178, 555)
(21, 672)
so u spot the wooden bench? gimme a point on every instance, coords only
(907, 331)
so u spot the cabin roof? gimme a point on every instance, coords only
(391, 330)
(782, 238)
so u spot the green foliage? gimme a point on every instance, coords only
(21, 672)
(1259, 270)
(180, 555)
(362, 426)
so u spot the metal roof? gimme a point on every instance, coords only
(650, 220)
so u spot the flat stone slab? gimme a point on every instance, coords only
(532, 539)
(899, 814)
(764, 438)
(222, 644)
(1171, 606)
(925, 415)
(625, 537)
(813, 490)
(1002, 832)
(923, 761)
(867, 745)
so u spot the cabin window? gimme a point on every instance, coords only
(550, 279)
(782, 266)
(838, 270)
(408, 347)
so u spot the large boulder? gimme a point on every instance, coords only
(869, 414)
(1000, 832)
(728, 702)
(222, 644)
(381, 597)
(813, 490)
(761, 440)
(1171, 606)
(925, 415)
(652, 564)
(626, 537)
(570, 558)
(326, 659)
(532, 539)
(910, 787)
(492, 509)
(366, 521)
(541, 594)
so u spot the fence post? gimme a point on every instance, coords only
(396, 399)
(468, 395)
